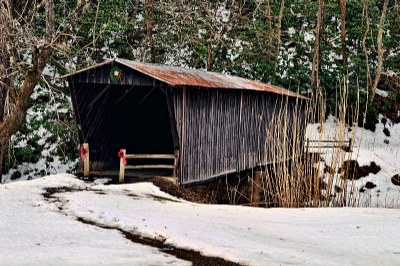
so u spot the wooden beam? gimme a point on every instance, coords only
(122, 167)
(329, 141)
(150, 166)
(98, 96)
(120, 99)
(176, 163)
(149, 156)
(86, 168)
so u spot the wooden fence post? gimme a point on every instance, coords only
(86, 169)
(122, 166)
(176, 161)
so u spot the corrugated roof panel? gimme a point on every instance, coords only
(178, 76)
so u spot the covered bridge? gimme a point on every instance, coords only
(216, 124)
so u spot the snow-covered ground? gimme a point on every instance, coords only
(35, 232)
(39, 231)
(368, 147)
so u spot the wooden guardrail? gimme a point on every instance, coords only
(124, 166)
(329, 144)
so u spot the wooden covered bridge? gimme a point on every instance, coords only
(199, 124)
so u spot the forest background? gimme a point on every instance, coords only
(310, 47)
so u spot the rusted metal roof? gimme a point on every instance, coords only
(178, 76)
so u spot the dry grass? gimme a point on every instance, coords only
(306, 180)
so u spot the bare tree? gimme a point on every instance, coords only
(20, 23)
(218, 39)
(380, 50)
(274, 28)
(203, 24)
(366, 16)
(218, 26)
(318, 33)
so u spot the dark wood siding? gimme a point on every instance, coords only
(101, 75)
(94, 115)
(227, 131)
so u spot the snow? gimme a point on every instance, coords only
(382, 93)
(35, 231)
(245, 235)
(291, 31)
(222, 13)
(236, 50)
(139, 17)
(368, 147)
(308, 36)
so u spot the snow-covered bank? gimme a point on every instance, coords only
(368, 147)
(35, 231)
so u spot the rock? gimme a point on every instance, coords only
(386, 132)
(370, 185)
(322, 184)
(328, 169)
(367, 169)
(349, 170)
(396, 180)
(374, 168)
(338, 189)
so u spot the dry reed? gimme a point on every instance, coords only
(306, 179)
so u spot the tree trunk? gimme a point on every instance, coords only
(13, 123)
(318, 30)
(150, 25)
(380, 50)
(343, 30)
(4, 66)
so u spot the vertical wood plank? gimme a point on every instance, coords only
(183, 139)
